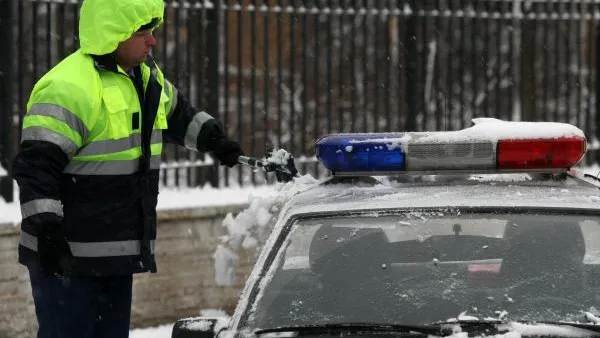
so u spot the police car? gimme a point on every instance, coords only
(482, 231)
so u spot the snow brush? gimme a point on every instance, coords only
(279, 161)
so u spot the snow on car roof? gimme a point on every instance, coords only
(480, 192)
(491, 129)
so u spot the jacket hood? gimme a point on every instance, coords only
(103, 24)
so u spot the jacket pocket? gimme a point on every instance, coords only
(161, 115)
(116, 107)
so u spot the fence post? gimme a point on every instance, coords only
(412, 57)
(212, 70)
(6, 97)
(597, 91)
(527, 64)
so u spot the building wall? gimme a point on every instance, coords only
(184, 284)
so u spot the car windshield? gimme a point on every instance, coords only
(426, 266)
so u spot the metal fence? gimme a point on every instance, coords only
(281, 73)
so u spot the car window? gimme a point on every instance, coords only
(432, 265)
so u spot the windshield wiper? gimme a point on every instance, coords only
(446, 328)
(336, 328)
(476, 326)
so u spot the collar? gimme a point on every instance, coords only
(109, 63)
(105, 62)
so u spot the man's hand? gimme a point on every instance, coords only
(227, 152)
(54, 252)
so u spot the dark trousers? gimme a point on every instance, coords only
(83, 307)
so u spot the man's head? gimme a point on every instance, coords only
(122, 27)
(135, 50)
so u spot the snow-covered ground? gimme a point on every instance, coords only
(169, 199)
(162, 331)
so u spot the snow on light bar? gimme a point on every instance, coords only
(490, 145)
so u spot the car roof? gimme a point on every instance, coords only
(520, 190)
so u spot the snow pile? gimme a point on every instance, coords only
(3, 171)
(252, 225)
(512, 329)
(543, 330)
(517, 330)
(590, 317)
(10, 213)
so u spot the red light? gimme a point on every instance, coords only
(562, 152)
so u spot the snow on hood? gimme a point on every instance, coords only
(514, 329)
(246, 229)
(103, 24)
(545, 330)
(517, 330)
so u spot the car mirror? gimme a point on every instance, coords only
(199, 327)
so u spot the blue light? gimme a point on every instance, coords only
(353, 153)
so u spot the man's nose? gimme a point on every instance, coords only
(151, 40)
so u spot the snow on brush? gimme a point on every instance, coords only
(279, 156)
(245, 230)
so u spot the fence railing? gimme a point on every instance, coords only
(281, 73)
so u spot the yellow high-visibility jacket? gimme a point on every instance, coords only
(91, 148)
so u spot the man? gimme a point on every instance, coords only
(88, 169)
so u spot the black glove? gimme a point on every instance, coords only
(54, 251)
(227, 152)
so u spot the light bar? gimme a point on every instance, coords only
(355, 154)
(361, 153)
